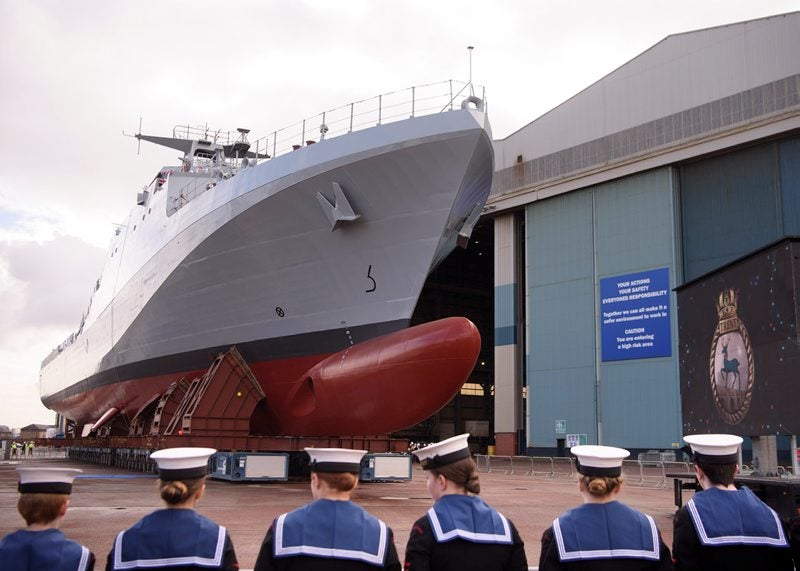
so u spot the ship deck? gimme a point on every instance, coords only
(107, 500)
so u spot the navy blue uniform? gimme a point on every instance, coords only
(794, 539)
(600, 536)
(328, 535)
(463, 533)
(727, 529)
(175, 539)
(46, 550)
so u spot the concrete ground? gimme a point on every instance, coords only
(108, 500)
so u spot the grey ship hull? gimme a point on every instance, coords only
(255, 263)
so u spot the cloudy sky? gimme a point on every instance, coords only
(75, 74)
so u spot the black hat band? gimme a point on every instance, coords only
(713, 459)
(183, 473)
(335, 467)
(445, 459)
(45, 488)
(613, 472)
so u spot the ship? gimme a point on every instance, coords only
(305, 250)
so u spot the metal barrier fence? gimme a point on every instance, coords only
(563, 467)
(482, 463)
(542, 466)
(23, 453)
(500, 464)
(635, 472)
(521, 465)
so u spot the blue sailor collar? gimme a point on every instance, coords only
(332, 529)
(46, 549)
(152, 541)
(469, 518)
(606, 531)
(727, 517)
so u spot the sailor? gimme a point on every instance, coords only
(176, 538)
(603, 533)
(331, 532)
(43, 502)
(460, 531)
(794, 538)
(721, 527)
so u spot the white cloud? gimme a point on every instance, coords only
(11, 290)
(44, 287)
(20, 356)
(51, 279)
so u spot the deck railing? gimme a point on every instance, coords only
(386, 108)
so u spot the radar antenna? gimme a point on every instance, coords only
(136, 136)
(469, 49)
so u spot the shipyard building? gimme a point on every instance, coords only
(674, 165)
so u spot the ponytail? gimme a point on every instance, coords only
(175, 492)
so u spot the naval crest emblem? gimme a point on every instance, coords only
(731, 361)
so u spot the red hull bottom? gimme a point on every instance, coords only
(374, 387)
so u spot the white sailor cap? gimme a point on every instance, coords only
(444, 452)
(46, 480)
(715, 448)
(182, 463)
(336, 460)
(600, 461)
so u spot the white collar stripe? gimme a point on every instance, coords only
(216, 561)
(84, 562)
(608, 553)
(476, 537)
(330, 552)
(705, 539)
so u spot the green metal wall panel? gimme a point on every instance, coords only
(730, 206)
(634, 224)
(573, 241)
(560, 305)
(561, 330)
(789, 156)
(634, 228)
(640, 403)
(569, 394)
(559, 239)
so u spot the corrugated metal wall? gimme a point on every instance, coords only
(730, 207)
(560, 316)
(635, 231)
(738, 202)
(789, 157)
(573, 241)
